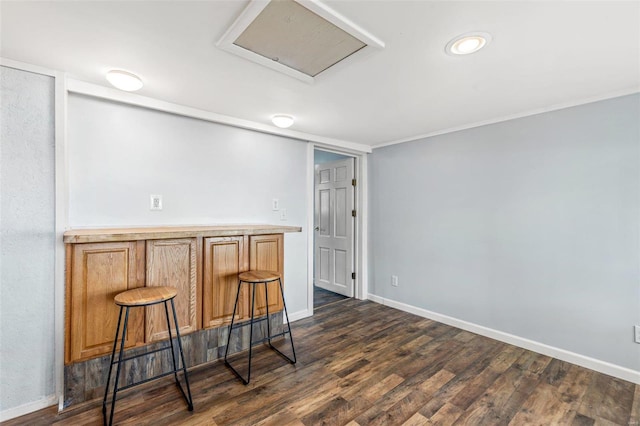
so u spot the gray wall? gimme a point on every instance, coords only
(529, 227)
(27, 238)
(207, 174)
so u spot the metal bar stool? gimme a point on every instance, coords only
(140, 297)
(254, 278)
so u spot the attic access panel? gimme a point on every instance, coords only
(300, 38)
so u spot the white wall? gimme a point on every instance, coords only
(27, 239)
(529, 227)
(207, 173)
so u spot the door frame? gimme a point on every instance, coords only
(327, 238)
(360, 226)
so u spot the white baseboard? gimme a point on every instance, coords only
(299, 315)
(21, 410)
(561, 354)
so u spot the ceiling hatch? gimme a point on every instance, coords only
(300, 38)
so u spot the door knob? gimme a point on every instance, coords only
(317, 228)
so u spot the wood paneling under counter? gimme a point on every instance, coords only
(224, 259)
(99, 272)
(267, 254)
(175, 263)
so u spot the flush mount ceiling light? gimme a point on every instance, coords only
(281, 120)
(300, 38)
(468, 43)
(124, 80)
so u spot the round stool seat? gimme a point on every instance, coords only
(258, 276)
(145, 296)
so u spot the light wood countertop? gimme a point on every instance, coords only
(96, 235)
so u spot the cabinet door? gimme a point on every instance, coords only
(224, 258)
(99, 271)
(173, 263)
(266, 253)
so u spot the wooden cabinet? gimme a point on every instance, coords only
(99, 271)
(224, 258)
(174, 263)
(266, 252)
(201, 262)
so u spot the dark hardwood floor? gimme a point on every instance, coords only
(322, 297)
(361, 363)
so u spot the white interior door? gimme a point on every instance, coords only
(333, 246)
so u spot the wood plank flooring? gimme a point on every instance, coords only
(361, 363)
(322, 297)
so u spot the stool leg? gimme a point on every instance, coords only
(113, 354)
(266, 303)
(233, 317)
(284, 304)
(115, 384)
(226, 352)
(253, 305)
(184, 364)
(173, 351)
(253, 311)
(292, 361)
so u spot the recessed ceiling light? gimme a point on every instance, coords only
(468, 43)
(281, 120)
(124, 80)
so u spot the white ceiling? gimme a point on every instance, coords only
(543, 54)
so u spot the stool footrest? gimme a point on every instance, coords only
(168, 373)
(248, 322)
(142, 354)
(266, 339)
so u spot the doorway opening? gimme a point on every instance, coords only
(334, 227)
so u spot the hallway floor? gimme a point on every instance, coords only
(322, 297)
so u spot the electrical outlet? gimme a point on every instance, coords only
(636, 329)
(283, 214)
(394, 280)
(275, 204)
(155, 202)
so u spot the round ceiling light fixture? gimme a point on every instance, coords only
(468, 43)
(282, 120)
(124, 80)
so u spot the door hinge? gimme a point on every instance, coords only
(353, 275)
(353, 182)
(353, 213)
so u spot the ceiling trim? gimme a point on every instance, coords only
(102, 92)
(537, 111)
(10, 63)
(255, 7)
